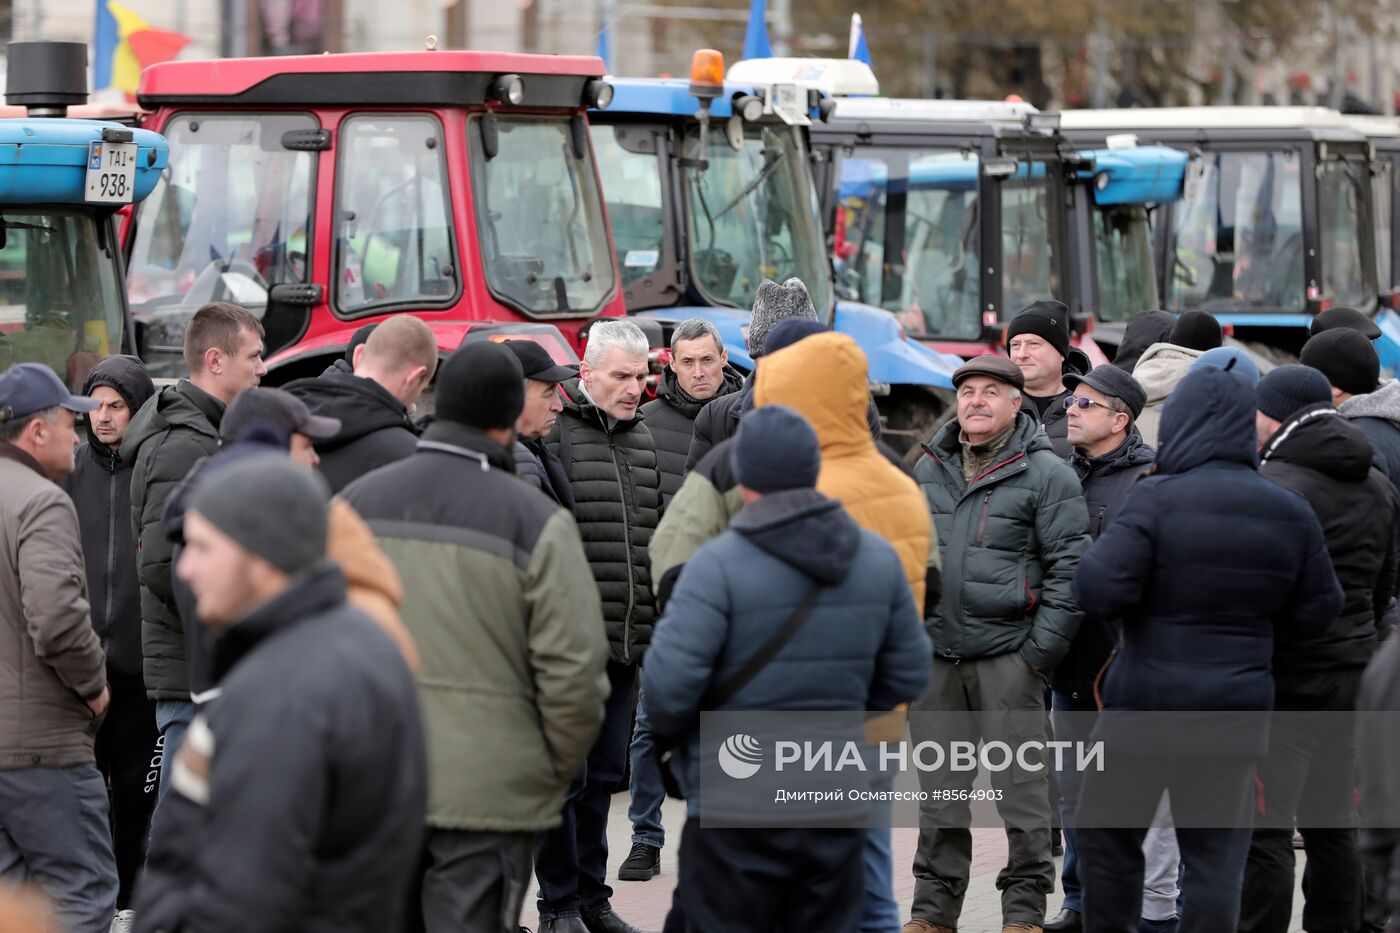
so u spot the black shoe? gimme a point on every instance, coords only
(563, 925)
(643, 864)
(605, 921)
(1066, 921)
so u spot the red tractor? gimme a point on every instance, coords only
(327, 192)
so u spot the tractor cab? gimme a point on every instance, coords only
(62, 183)
(1274, 223)
(326, 192)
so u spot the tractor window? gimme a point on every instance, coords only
(1123, 255)
(394, 242)
(59, 300)
(1339, 198)
(1029, 247)
(1383, 193)
(539, 214)
(632, 187)
(229, 219)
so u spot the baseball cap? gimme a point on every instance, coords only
(26, 388)
(279, 408)
(537, 363)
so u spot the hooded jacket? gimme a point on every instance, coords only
(1142, 331)
(1378, 417)
(742, 588)
(1107, 481)
(1160, 369)
(313, 758)
(374, 426)
(611, 467)
(1205, 564)
(671, 419)
(1326, 459)
(1010, 540)
(100, 486)
(825, 379)
(174, 430)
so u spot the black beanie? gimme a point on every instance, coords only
(1346, 357)
(1289, 389)
(357, 340)
(776, 449)
(1047, 319)
(1196, 330)
(1333, 318)
(789, 331)
(273, 508)
(481, 386)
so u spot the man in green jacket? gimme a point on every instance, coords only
(499, 597)
(1012, 524)
(175, 429)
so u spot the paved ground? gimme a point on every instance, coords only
(644, 904)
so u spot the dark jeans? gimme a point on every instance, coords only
(471, 882)
(173, 718)
(129, 759)
(648, 793)
(1111, 863)
(943, 862)
(769, 880)
(1307, 780)
(572, 860)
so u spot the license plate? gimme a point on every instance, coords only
(111, 173)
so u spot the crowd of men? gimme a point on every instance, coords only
(292, 659)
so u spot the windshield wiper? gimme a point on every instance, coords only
(771, 164)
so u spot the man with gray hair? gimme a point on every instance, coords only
(719, 420)
(610, 459)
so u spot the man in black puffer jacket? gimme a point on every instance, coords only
(1307, 776)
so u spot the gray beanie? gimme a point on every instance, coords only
(273, 508)
(775, 303)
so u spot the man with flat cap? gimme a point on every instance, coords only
(1011, 525)
(502, 603)
(535, 463)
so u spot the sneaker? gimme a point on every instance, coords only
(920, 925)
(124, 921)
(642, 864)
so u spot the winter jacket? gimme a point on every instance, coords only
(718, 420)
(707, 502)
(51, 660)
(537, 465)
(1143, 330)
(671, 419)
(743, 587)
(1378, 416)
(611, 467)
(177, 427)
(1327, 460)
(374, 426)
(1010, 540)
(1106, 481)
(298, 795)
(1055, 421)
(100, 487)
(1160, 368)
(824, 378)
(1205, 562)
(503, 606)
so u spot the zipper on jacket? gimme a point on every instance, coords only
(1103, 510)
(627, 543)
(982, 522)
(1030, 597)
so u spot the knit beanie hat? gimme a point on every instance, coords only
(1346, 358)
(482, 386)
(1223, 357)
(1046, 319)
(1196, 330)
(271, 507)
(1289, 389)
(790, 331)
(776, 449)
(772, 304)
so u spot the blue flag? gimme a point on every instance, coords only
(605, 46)
(859, 50)
(105, 39)
(756, 36)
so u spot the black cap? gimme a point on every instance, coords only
(1349, 318)
(357, 340)
(1115, 383)
(998, 367)
(1196, 330)
(536, 362)
(277, 408)
(482, 386)
(1346, 358)
(26, 388)
(1047, 319)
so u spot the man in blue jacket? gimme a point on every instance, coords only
(1204, 562)
(862, 647)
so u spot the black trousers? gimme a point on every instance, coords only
(130, 764)
(769, 881)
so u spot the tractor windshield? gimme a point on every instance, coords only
(539, 215)
(1127, 278)
(753, 216)
(1340, 194)
(907, 238)
(60, 301)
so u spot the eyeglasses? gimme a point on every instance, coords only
(1084, 403)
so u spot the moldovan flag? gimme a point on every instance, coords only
(124, 43)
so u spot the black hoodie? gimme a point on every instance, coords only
(375, 427)
(1325, 458)
(100, 487)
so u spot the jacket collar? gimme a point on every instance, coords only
(209, 406)
(452, 438)
(581, 404)
(1132, 452)
(314, 592)
(1027, 436)
(21, 456)
(672, 394)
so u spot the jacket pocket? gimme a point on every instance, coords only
(982, 518)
